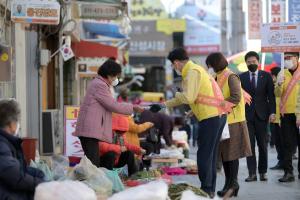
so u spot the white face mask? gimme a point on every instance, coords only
(17, 129)
(288, 64)
(211, 72)
(178, 72)
(115, 82)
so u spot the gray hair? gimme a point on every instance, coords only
(9, 112)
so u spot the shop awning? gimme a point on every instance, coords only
(93, 50)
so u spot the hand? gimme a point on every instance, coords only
(123, 148)
(150, 124)
(272, 118)
(280, 78)
(138, 109)
(143, 151)
(298, 122)
(189, 114)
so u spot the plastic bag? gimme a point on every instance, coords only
(225, 133)
(60, 166)
(180, 136)
(113, 176)
(64, 190)
(189, 195)
(94, 177)
(157, 190)
(42, 165)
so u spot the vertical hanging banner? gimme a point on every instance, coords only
(254, 18)
(294, 10)
(72, 145)
(277, 11)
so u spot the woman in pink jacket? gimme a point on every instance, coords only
(94, 121)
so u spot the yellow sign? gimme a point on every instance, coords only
(71, 112)
(168, 26)
(147, 10)
(4, 57)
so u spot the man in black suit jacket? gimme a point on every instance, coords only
(259, 85)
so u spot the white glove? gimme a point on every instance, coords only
(280, 78)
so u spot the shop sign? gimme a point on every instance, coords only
(147, 10)
(294, 10)
(88, 66)
(169, 26)
(146, 41)
(72, 144)
(35, 12)
(254, 18)
(203, 26)
(277, 11)
(98, 11)
(280, 37)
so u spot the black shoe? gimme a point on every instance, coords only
(251, 178)
(263, 177)
(211, 195)
(277, 167)
(232, 191)
(222, 192)
(288, 177)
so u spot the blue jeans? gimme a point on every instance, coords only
(209, 135)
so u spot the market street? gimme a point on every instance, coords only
(271, 189)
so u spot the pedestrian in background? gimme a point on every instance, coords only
(275, 126)
(205, 99)
(259, 85)
(94, 121)
(287, 89)
(238, 145)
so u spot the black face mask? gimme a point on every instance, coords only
(252, 67)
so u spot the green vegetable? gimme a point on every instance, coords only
(176, 190)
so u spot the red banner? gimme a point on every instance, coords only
(254, 18)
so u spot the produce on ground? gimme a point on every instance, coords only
(176, 190)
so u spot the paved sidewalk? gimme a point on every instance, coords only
(271, 189)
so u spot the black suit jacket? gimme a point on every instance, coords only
(263, 98)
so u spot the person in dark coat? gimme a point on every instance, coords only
(17, 181)
(261, 111)
(162, 122)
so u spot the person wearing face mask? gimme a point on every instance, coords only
(17, 181)
(238, 145)
(261, 111)
(287, 89)
(205, 98)
(94, 121)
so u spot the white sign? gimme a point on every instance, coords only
(66, 52)
(72, 143)
(280, 37)
(98, 11)
(35, 12)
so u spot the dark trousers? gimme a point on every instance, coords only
(276, 138)
(149, 147)
(231, 169)
(290, 139)
(126, 158)
(210, 131)
(90, 147)
(258, 131)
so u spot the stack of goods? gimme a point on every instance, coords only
(176, 190)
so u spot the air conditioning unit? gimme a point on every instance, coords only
(51, 140)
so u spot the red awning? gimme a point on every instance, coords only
(93, 50)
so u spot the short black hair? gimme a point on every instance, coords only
(217, 61)
(251, 54)
(9, 112)
(178, 54)
(293, 53)
(275, 71)
(109, 68)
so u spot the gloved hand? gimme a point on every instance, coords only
(280, 78)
